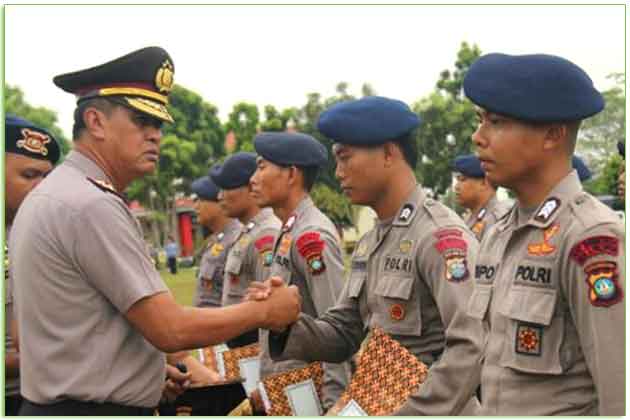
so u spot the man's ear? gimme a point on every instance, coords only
(554, 137)
(95, 122)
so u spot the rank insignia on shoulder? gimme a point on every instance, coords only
(290, 222)
(406, 212)
(311, 247)
(543, 248)
(548, 208)
(529, 339)
(216, 250)
(107, 187)
(593, 246)
(454, 249)
(603, 283)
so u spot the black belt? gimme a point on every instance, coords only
(82, 408)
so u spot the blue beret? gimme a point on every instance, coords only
(621, 147)
(469, 165)
(25, 138)
(290, 149)
(205, 188)
(537, 88)
(235, 172)
(368, 121)
(583, 172)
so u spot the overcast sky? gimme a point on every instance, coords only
(278, 54)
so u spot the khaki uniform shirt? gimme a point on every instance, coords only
(550, 290)
(209, 291)
(82, 263)
(411, 277)
(11, 385)
(307, 253)
(490, 213)
(250, 257)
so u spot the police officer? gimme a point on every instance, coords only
(551, 274)
(474, 192)
(94, 314)
(307, 252)
(31, 153)
(411, 275)
(225, 230)
(249, 259)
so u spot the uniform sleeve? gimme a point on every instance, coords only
(317, 258)
(112, 256)
(260, 253)
(445, 261)
(594, 285)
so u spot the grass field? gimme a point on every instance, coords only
(182, 284)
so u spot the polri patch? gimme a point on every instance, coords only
(311, 247)
(454, 249)
(603, 283)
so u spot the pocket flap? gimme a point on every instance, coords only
(395, 287)
(530, 305)
(479, 301)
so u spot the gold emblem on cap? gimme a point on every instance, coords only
(164, 77)
(34, 142)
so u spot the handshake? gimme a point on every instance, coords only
(281, 303)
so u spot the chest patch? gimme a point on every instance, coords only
(528, 339)
(540, 249)
(533, 274)
(397, 264)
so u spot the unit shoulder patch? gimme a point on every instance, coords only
(311, 247)
(264, 245)
(454, 249)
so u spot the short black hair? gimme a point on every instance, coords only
(101, 104)
(309, 173)
(409, 148)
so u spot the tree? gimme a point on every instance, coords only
(243, 122)
(598, 135)
(448, 121)
(41, 116)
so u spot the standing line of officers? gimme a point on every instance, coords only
(517, 311)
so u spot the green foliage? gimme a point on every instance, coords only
(448, 121)
(334, 204)
(598, 136)
(606, 181)
(16, 104)
(243, 122)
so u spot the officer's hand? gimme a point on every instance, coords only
(176, 383)
(282, 307)
(256, 402)
(261, 290)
